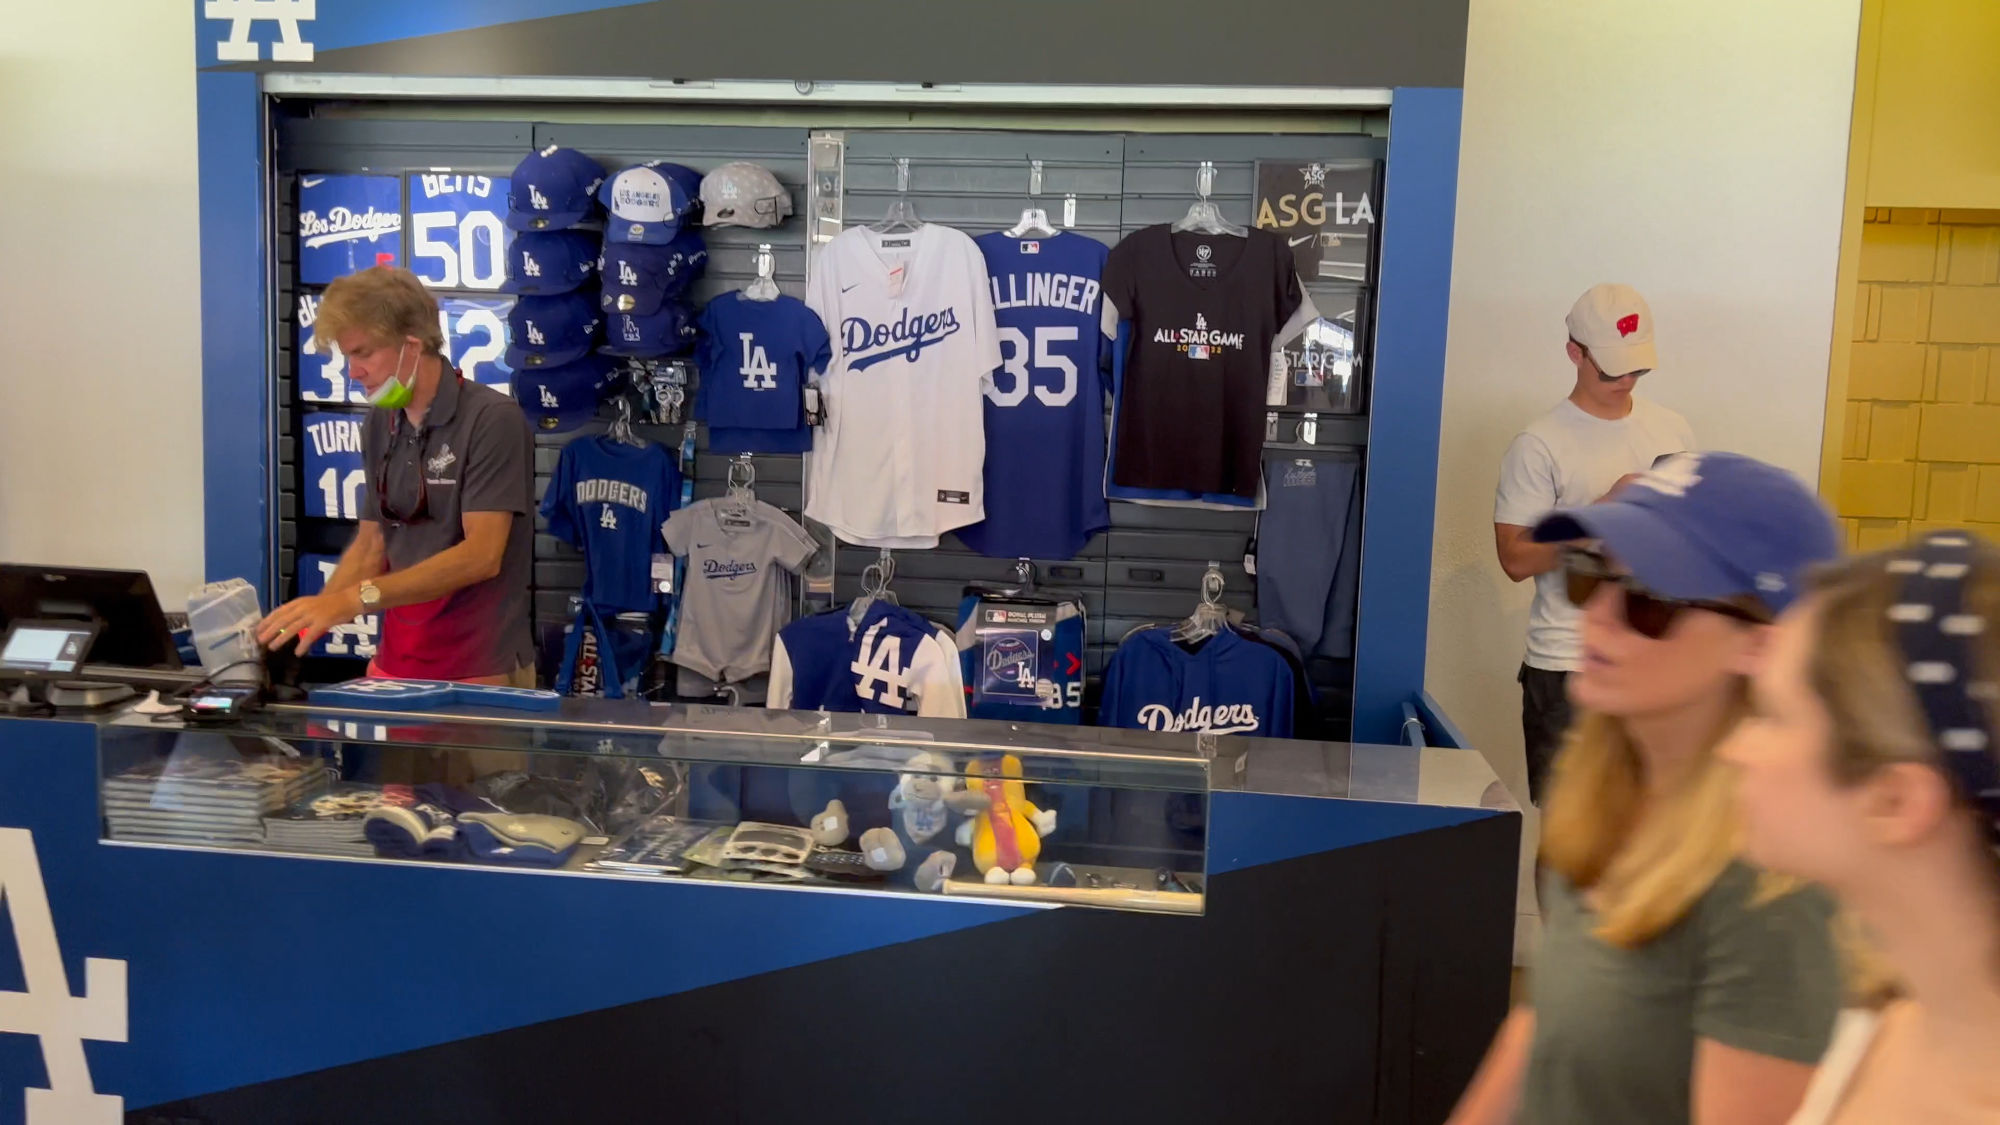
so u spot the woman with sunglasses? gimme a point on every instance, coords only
(1674, 982)
(1871, 765)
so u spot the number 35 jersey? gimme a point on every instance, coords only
(1045, 404)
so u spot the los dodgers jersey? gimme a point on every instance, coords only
(1045, 401)
(890, 662)
(898, 460)
(330, 442)
(755, 358)
(610, 500)
(1229, 686)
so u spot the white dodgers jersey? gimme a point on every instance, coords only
(334, 476)
(898, 461)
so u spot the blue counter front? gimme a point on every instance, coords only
(1353, 952)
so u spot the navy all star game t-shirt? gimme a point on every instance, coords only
(1197, 314)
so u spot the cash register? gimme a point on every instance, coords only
(78, 638)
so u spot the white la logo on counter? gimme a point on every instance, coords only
(1230, 718)
(291, 46)
(45, 1009)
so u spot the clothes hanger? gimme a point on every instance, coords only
(875, 579)
(1210, 616)
(1203, 217)
(902, 214)
(1034, 221)
(621, 425)
(765, 286)
(742, 495)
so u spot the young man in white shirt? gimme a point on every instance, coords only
(1578, 453)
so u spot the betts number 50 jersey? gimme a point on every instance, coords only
(1045, 403)
(610, 500)
(897, 462)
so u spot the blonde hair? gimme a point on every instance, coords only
(1856, 670)
(1643, 879)
(387, 301)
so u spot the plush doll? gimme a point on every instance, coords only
(1006, 835)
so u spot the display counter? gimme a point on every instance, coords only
(625, 912)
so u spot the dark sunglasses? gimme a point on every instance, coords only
(1648, 614)
(1604, 378)
(422, 511)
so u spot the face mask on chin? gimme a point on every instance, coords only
(396, 392)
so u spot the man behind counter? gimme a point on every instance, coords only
(444, 550)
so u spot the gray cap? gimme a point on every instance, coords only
(742, 194)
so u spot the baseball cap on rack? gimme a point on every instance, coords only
(742, 194)
(638, 277)
(553, 189)
(1707, 527)
(551, 331)
(650, 203)
(1614, 322)
(545, 262)
(561, 398)
(668, 331)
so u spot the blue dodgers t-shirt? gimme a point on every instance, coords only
(755, 357)
(610, 500)
(1228, 686)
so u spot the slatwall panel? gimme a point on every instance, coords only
(1147, 568)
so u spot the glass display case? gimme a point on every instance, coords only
(792, 799)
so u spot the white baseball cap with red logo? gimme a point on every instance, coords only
(1614, 323)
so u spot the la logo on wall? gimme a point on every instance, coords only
(45, 1009)
(241, 14)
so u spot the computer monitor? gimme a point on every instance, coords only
(131, 630)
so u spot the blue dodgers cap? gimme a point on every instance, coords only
(1709, 526)
(545, 262)
(669, 331)
(551, 331)
(649, 203)
(558, 399)
(553, 189)
(638, 277)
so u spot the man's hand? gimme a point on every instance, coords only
(306, 620)
(1612, 492)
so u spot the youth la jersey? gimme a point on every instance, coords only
(610, 500)
(755, 359)
(898, 460)
(1044, 409)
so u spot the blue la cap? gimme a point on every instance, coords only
(553, 189)
(545, 262)
(670, 331)
(649, 203)
(1709, 526)
(637, 277)
(551, 331)
(558, 399)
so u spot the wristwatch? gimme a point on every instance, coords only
(371, 597)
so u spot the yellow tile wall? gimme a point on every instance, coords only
(1921, 446)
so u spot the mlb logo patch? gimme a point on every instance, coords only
(1197, 351)
(1031, 248)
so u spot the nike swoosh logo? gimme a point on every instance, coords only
(845, 288)
(1302, 241)
(701, 546)
(312, 181)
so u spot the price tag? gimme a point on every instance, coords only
(1069, 210)
(663, 573)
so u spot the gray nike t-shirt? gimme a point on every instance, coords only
(737, 595)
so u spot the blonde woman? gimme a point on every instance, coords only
(1674, 984)
(1871, 766)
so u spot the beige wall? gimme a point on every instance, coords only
(1696, 150)
(100, 378)
(1936, 105)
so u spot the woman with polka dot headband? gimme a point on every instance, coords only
(1870, 765)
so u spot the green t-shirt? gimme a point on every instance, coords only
(1615, 1029)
